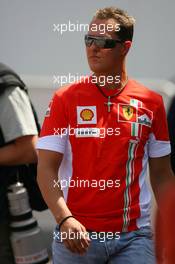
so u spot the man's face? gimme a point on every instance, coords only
(103, 60)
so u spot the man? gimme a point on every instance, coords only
(18, 135)
(113, 130)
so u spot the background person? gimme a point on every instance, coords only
(171, 125)
(18, 136)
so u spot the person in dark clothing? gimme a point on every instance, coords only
(18, 136)
(171, 125)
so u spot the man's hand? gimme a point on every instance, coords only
(74, 236)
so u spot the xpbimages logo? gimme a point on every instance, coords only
(102, 80)
(101, 236)
(61, 28)
(101, 184)
(87, 132)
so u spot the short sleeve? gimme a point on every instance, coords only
(16, 116)
(159, 144)
(53, 134)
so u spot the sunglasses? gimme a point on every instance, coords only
(100, 42)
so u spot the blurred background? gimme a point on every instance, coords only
(30, 45)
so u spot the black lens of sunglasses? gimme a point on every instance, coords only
(101, 42)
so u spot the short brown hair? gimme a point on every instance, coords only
(125, 21)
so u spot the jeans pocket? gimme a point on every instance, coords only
(144, 232)
(56, 235)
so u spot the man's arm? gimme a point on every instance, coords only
(48, 165)
(161, 175)
(18, 128)
(21, 151)
(162, 181)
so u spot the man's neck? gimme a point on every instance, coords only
(112, 80)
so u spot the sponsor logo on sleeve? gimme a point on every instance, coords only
(49, 109)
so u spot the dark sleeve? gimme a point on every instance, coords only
(171, 125)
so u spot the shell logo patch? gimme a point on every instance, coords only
(86, 115)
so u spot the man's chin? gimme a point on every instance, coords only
(97, 70)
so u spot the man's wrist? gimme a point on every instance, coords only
(64, 220)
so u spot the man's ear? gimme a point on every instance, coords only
(127, 45)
